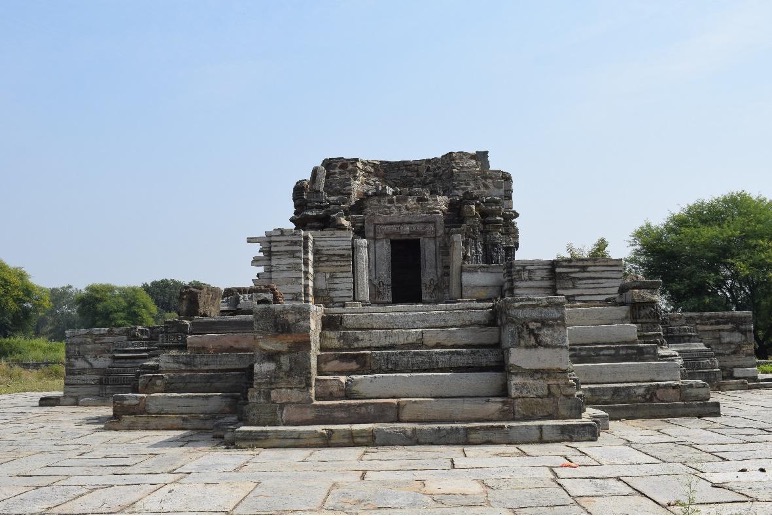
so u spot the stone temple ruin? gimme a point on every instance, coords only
(395, 312)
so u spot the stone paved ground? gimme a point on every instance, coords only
(59, 460)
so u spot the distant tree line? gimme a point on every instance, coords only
(29, 310)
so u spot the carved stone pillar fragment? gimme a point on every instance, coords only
(456, 257)
(361, 270)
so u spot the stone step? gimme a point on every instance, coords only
(416, 385)
(222, 343)
(408, 434)
(481, 336)
(234, 382)
(408, 320)
(710, 376)
(229, 324)
(604, 353)
(441, 307)
(400, 410)
(597, 315)
(606, 334)
(402, 361)
(650, 392)
(176, 404)
(170, 422)
(205, 361)
(628, 372)
(662, 410)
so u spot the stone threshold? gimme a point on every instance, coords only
(409, 434)
(443, 307)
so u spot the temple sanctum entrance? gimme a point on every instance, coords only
(404, 258)
(406, 271)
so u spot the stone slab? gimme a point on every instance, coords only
(407, 320)
(597, 315)
(661, 410)
(192, 403)
(627, 372)
(456, 409)
(607, 334)
(427, 385)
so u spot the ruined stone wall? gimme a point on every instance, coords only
(474, 200)
(100, 362)
(730, 336)
(287, 261)
(579, 280)
(333, 267)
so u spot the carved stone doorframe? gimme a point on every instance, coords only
(381, 230)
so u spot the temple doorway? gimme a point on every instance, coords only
(406, 271)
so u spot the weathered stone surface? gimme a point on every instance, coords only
(597, 315)
(408, 360)
(341, 412)
(607, 334)
(199, 301)
(606, 353)
(200, 403)
(661, 410)
(222, 343)
(628, 372)
(197, 382)
(413, 338)
(215, 325)
(456, 409)
(408, 320)
(330, 387)
(216, 361)
(426, 385)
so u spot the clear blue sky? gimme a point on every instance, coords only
(142, 140)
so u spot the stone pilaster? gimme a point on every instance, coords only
(456, 258)
(535, 344)
(285, 360)
(361, 270)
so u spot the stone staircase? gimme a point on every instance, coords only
(624, 377)
(699, 361)
(200, 388)
(410, 374)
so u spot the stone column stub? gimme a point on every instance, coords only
(456, 258)
(361, 271)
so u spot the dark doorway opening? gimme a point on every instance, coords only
(406, 271)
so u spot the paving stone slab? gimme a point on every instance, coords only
(619, 470)
(634, 504)
(221, 497)
(107, 500)
(279, 496)
(673, 452)
(519, 498)
(595, 487)
(40, 499)
(670, 489)
(356, 499)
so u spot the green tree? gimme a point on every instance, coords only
(165, 293)
(21, 301)
(61, 316)
(102, 305)
(713, 255)
(598, 250)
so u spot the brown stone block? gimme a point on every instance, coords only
(341, 412)
(330, 387)
(292, 395)
(221, 343)
(536, 408)
(262, 414)
(284, 342)
(128, 404)
(344, 362)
